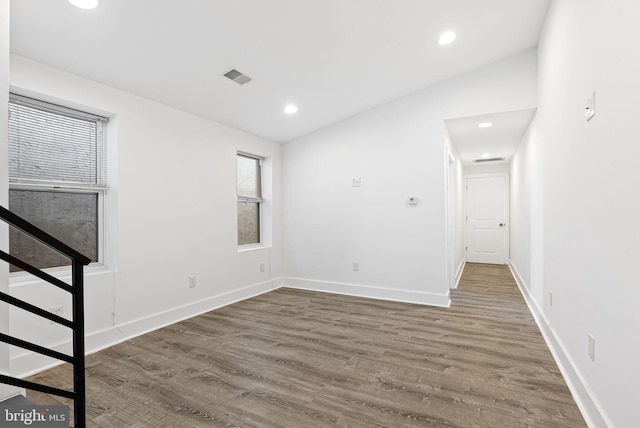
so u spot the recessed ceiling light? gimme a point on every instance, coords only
(485, 125)
(446, 38)
(85, 4)
(290, 109)
(485, 155)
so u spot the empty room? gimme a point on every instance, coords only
(337, 213)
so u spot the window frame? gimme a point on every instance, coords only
(250, 199)
(100, 188)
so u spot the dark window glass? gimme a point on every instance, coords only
(70, 217)
(248, 223)
(249, 190)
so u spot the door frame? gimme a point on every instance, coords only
(507, 193)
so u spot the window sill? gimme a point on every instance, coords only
(252, 247)
(19, 279)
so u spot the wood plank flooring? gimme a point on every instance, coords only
(294, 358)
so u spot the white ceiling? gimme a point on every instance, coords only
(500, 140)
(332, 58)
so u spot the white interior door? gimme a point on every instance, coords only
(487, 214)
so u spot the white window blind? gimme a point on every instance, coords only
(53, 144)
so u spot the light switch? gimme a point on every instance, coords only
(355, 182)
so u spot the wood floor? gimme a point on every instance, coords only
(293, 358)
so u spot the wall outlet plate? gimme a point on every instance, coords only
(591, 350)
(591, 107)
(356, 266)
(192, 282)
(56, 310)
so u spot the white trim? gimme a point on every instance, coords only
(592, 412)
(54, 186)
(63, 273)
(250, 155)
(9, 391)
(369, 292)
(458, 274)
(30, 363)
(251, 247)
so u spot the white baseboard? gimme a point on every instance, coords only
(369, 292)
(30, 363)
(593, 414)
(458, 275)
(9, 391)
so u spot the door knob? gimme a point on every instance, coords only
(502, 224)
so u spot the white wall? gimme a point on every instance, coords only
(398, 151)
(455, 214)
(587, 254)
(488, 168)
(460, 254)
(173, 206)
(5, 390)
(527, 214)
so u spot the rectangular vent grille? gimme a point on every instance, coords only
(488, 160)
(237, 77)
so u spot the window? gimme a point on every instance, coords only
(57, 179)
(249, 190)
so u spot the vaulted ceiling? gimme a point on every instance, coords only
(331, 58)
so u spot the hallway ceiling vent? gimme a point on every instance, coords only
(488, 160)
(237, 77)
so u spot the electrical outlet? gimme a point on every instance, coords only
(590, 110)
(356, 266)
(592, 347)
(413, 201)
(56, 310)
(192, 282)
(550, 298)
(261, 267)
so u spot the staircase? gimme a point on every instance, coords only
(76, 289)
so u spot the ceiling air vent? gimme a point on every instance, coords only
(237, 77)
(488, 160)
